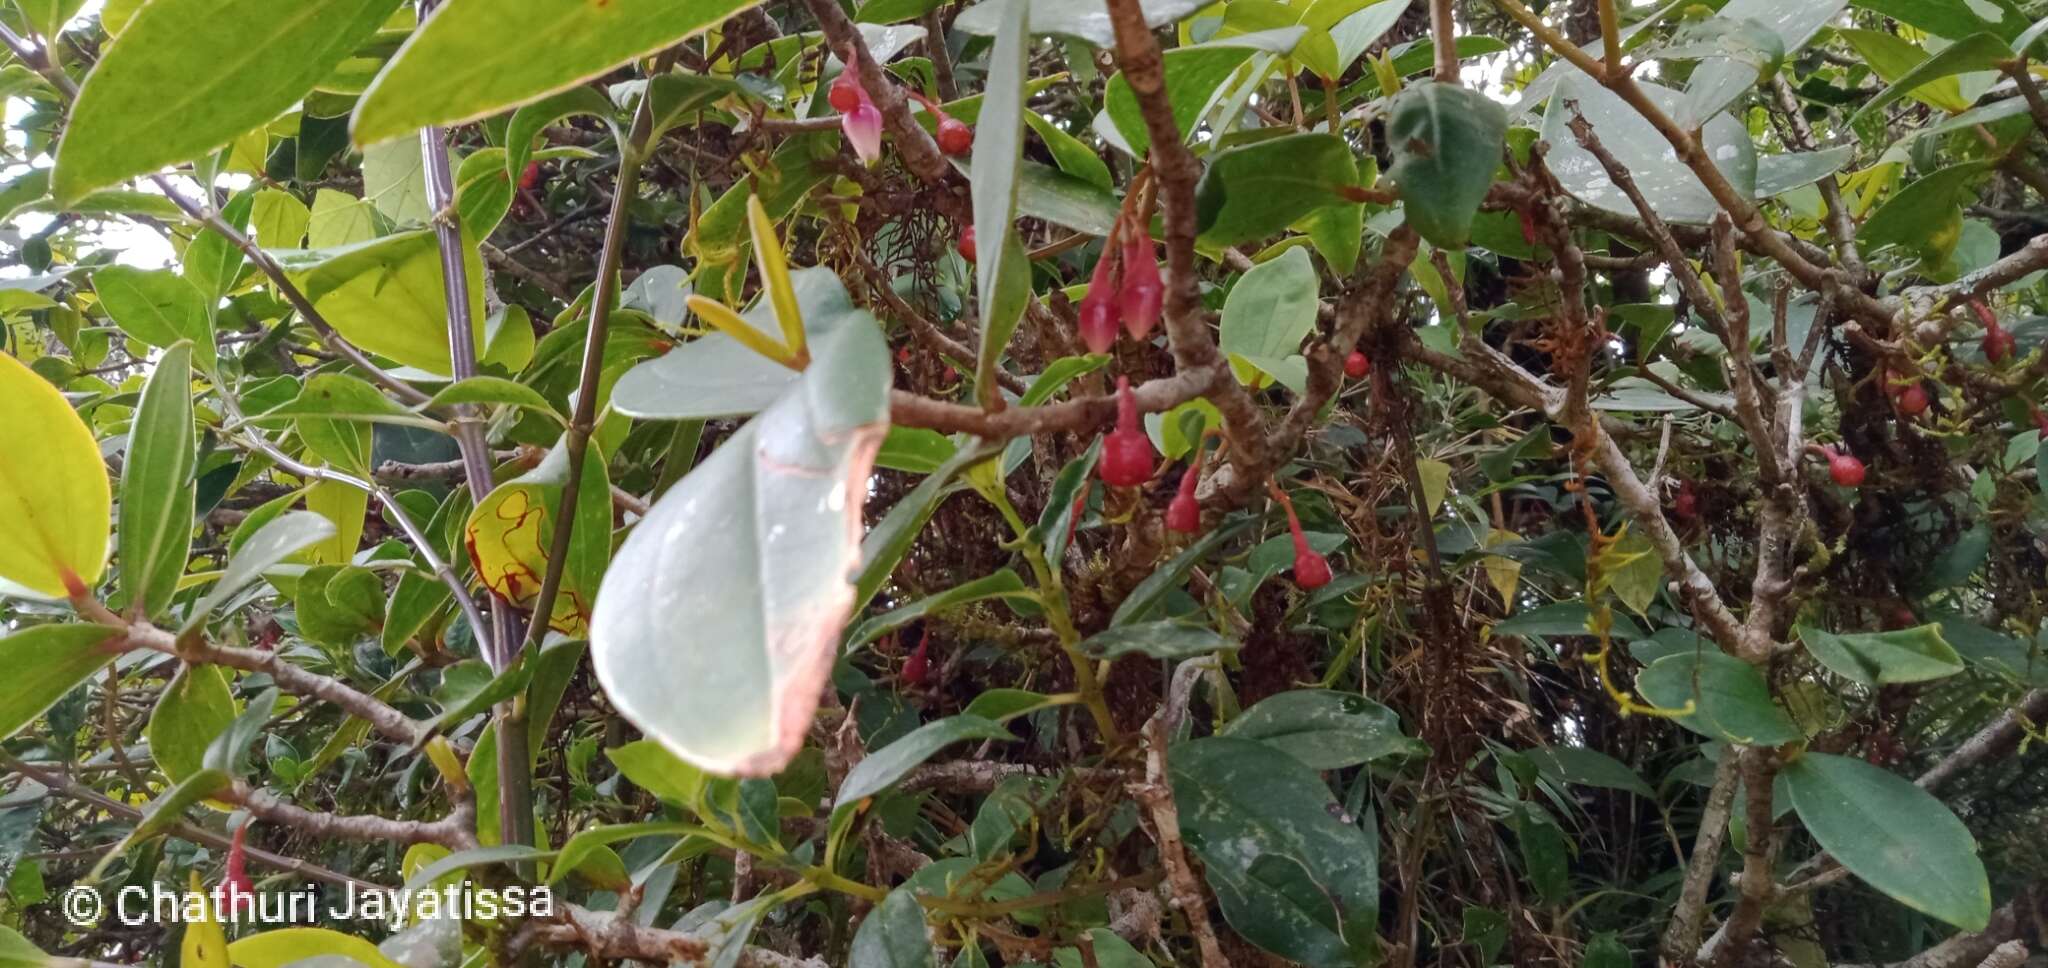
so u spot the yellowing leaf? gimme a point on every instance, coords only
(1503, 573)
(55, 502)
(275, 949)
(344, 506)
(206, 943)
(1436, 481)
(511, 532)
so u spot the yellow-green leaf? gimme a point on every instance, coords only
(44, 663)
(285, 946)
(55, 501)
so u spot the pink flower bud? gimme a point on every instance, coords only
(863, 127)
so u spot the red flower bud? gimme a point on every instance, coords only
(1184, 514)
(530, 177)
(1844, 468)
(1311, 569)
(1142, 291)
(1098, 307)
(235, 886)
(1127, 457)
(967, 243)
(1686, 504)
(918, 668)
(1999, 344)
(954, 136)
(1356, 366)
(1912, 401)
(845, 94)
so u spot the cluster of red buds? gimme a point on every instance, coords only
(1909, 397)
(1125, 287)
(862, 121)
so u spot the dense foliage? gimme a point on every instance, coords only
(1055, 482)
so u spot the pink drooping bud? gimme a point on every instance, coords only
(863, 128)
(1311, 569)
(1127, 456)
(236, 889)
(1184, 514)
(1142, 292)
(1098, 307)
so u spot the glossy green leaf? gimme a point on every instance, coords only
(495, 391)
(279, 219)
(1323, 729)
(1670, 187)
(891, 537)
(1447, 141)
(883, 767)
(528, 122)
(1905, 218)
(1072, 18)
(1892, 834)
(998, 137)
(1138, 605)
(758, 544)
(1257, 190)
(386, 295)
(54, 495)
(43, 664)
(286, 535)
(1291, 876)
(1882, 658)
(17, 951)
(166, 811)
(1587, 767)
(1732, 702)
(1194, 77)
(893, 934)
(196, 707)
(1893, 58)
(472, 58)
(1977, 52)
(1954, 19)
(157, 486)
(1003, 583)
(169, 93)
(1268, 313)
(1167, 640)
(156, 306)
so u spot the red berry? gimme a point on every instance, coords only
(1913, 401)
(1902, 617)
(955, 137)
(1845, 469)
(845, 93)
(1356, 366)
(1184, 514)
(1686, 504)
(1142, 292)
(966, 246)
(530, 177)
(1127, 457)
(918, 667)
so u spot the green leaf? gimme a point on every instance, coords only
(288, 946)
(1670, 187)
(715, 375)
(653, 768)
(55, 502)
(1892, 834)
(1257, 190)
(1194, 76)
(279, 219)
(276, 540)
(998, 136)
(1063, 503)
(1977, 52)
(1072, 18)
(1290, 875)
(1893, 58)
(165, 812)
(17, 951)
(197, 706)
(1138, 604)
(893, 934)
(1003, 583)
(472, 59)
(1732, 700)
(156, 306)
(43, 664)
(493, 390)
(1073, 155)
(1159, 640)
(1883, 658)
(1546, 857)
(395, 181)
(1733, 51)
(1905, 218)
(157, 486)
(1003, 705)
(1447, 141)
(757, 544)
(882, 768)
(169, 93)
(1269, 311)
(528, 122)
(1587, 767)
(343, 398)
(472, 858)
(1323, 729)
(386, 295)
